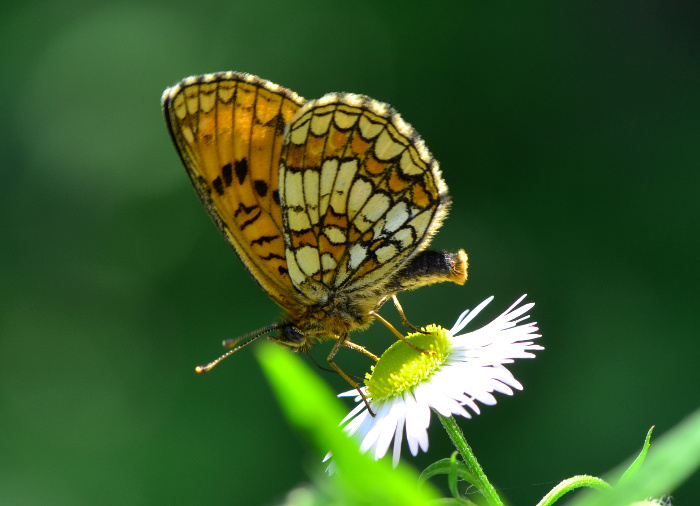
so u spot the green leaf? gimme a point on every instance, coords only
(443, 466)
(632, 469)
(452, 476)
(314, 409)
(570, 484)
(672, 459)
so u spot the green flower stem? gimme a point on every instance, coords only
(481, 482)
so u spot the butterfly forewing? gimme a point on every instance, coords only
(229, 130)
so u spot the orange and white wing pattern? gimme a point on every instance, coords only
(228, 129)
(330, 204)
(361, 196)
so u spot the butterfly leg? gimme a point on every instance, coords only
(397, 333)
(361, 349)
(341, 342)
(404, 320)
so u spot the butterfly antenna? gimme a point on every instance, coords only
(235, 345)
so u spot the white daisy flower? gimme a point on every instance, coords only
(464, 368)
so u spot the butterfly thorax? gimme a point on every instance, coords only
(333, 319)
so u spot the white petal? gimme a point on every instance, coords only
(388, 429)
(398, 438)
(355, 410)
(417, 421)
(444, 405)
(467, 318)
(377, 425)
(353, 393)
(352, 427)
(460, 323)
(363, 429)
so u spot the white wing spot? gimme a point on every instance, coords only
(344, 120)
(188, 135)
(420, 223)
(226, 93)
(339, 196)
(407, 165)
(369, 130)
(359, 193)
(378, 229)
(311, 194)
(386, 253)
(396, 217)
(386, 148)
(376, 206)
(321, 123)
(328, 173)
(298, 220)
(295, 273)
(293, 189)
(308, 260)
(358, 253)
(328, 262)
(207, 102)
(299, 134)
(179, 107)
(405, 237)
(335, 235)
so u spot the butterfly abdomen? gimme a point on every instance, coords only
(431, 267)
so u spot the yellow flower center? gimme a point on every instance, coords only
(402, 367)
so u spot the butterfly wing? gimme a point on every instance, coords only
(228, 129)
(361, 196)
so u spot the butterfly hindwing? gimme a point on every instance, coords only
(361, 195)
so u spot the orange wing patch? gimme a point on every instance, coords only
(229, 129)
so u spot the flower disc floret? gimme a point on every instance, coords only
(401, 367)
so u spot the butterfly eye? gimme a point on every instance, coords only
(293, 334)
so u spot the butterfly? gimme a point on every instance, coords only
(330, 203)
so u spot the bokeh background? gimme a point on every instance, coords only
(568, 132)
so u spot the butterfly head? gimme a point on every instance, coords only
(302, 334)
(292, 337)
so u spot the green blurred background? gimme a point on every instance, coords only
(568, 132)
